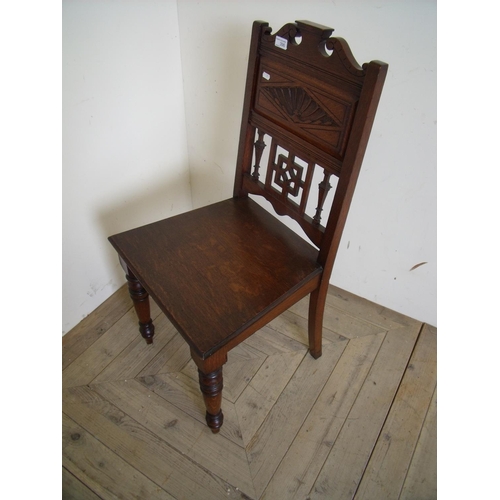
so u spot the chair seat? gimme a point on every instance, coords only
(217, 270)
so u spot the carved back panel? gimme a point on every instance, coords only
(308, 112)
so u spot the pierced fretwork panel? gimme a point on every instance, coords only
(289, 176)
(296, 185)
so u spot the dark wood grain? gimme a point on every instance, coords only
(214, 271)
(223, 271)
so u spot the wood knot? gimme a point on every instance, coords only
(149, 380)
(172, 423)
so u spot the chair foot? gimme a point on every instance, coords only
(140, 298)
(211, 388)
(316, 354)
(147, 331)
(215, 421)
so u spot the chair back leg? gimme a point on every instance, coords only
(315, 321)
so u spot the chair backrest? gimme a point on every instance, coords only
(309, 100)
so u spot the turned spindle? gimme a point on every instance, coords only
(324, 187)
(259, 146)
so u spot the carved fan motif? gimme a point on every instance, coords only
(299, 106)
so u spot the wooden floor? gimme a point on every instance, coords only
(360, 422)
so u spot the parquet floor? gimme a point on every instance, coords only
(360, 422)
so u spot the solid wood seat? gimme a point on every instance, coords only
(217, 270)
(222, 272)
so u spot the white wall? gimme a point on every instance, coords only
(124, 137)
(392, 223)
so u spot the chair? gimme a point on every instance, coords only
(222, 272)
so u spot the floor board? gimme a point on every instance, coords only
(359, 422)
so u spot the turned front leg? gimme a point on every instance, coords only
(211, 388)
(210, 377)
(140, 299)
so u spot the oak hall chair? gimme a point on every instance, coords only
(222, 272)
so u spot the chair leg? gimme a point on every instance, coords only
(140, 299)
(211, 388)
(316, 311)
(210, 377)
